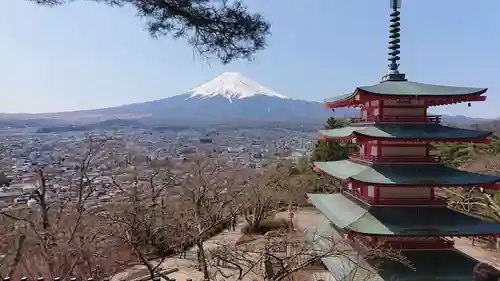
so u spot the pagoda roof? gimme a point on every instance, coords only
(406, 132)
(442, 265)
(412, 175)
(350, 215)
(411, 89)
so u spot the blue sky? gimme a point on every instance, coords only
(85, 55)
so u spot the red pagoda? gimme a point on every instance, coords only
(389, 198)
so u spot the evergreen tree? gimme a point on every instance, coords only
(224, 29)
(331, 150)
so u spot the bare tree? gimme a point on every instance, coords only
(281, 255)
(223, 28)
(477, 200)
(50, 236)
(260, 199)
(210, 190)
(152, 231)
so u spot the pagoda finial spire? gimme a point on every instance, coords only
(394, 46)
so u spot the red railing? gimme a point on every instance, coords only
(394, 158)
(420, 245)
(435, 119)
(436, 201)
(412, 202)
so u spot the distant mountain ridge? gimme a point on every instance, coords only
(228, 98)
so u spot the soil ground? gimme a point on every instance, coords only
(305, 220)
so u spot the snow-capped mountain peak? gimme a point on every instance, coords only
(232, 86)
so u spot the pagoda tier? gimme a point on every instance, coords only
(375, 181)
(408, 221)
(407, 92)
(414, 133)
(357, 264)
(444, 265)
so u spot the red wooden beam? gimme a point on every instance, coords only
(361, 139)
(430, 100)
(364, 139)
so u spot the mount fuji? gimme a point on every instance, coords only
(229, 98)
(232, 85)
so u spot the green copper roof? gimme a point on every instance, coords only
(416, 131)
(409, 88)
(444, 265)
(354, 216)
(429, 265)
(421, 174)
(339, 98)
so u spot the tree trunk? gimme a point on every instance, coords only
(18, 256)
(202, 259)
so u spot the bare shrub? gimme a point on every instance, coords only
(266, 225)
(53, 238)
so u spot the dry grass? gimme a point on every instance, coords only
(245, 238)
(266, 226)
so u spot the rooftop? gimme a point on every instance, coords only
(412, 175)
(443, 265)
(350, 215)
(410, 90)
(406, 131)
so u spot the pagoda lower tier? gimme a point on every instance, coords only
(407, 264)
(349, 215)
(443, 265)
(420, 235)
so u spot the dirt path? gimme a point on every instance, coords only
(187, 267)
(307, 220)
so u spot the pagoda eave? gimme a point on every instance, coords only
(488, 186)
(350, 215)
(380, 174)
(363, 138)
(409, 236)
(359, 97)
(447, 101)
(414, 133)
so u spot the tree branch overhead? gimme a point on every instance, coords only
(221, 28)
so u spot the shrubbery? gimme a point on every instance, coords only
(266, 225)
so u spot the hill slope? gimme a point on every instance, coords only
(231, 97)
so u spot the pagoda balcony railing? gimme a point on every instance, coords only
(394, 158)
(437, 201)
(412, 201)
(441, 243)
(421, 243)
(434, 119)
